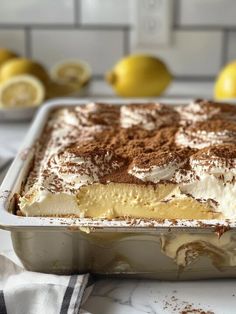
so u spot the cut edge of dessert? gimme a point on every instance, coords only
(150, 160)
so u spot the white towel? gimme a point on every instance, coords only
(25, 292)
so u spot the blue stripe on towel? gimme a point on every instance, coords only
(68, 294)
(3, 309)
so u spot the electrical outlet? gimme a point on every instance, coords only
(151, 23)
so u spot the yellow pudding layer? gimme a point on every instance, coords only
(164, 201)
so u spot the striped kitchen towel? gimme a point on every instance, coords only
(25, 292)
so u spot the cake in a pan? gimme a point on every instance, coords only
(151, 160)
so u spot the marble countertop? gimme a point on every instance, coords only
(136, 296)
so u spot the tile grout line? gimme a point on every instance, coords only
(224, 49)
(94, 27)
(176, 13)
(110, 27)
(204, 28)
(28, 45)
(126, 42)
(77, 12)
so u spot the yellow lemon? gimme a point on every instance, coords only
(21, 66)
(57, 89)
(74, 72)
(6, 55)
(139, 76)
(225, 85)
(21, 91)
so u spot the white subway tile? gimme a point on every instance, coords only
(207, 12)
(105, 12)
(190, 89)
(37, 12)
(231, 46)
(99, 89)
(101, 49)
(13, 40)
(191, 52)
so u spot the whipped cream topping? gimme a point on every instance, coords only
(156, 167)
(211, 177)
(203, 134)
(67, 127)
(202, 109)
(136, 144)
(219, 160)
(198, 110)
(149, 116)
(77, 166)
(98, 114)
(214, 191)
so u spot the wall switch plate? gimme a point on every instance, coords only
(152, 20)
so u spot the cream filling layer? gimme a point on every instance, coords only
(186, 249)
(115, 200)
(210, 187)
(49, 204)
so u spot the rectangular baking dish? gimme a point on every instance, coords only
(172, 250)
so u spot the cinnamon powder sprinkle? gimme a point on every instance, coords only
(94, 133)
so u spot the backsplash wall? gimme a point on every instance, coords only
(203, 36)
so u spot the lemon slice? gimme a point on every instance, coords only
(22, 66)
(21, 91)
(76, 72)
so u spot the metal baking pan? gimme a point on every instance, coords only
(179, 249)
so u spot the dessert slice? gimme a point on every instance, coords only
(138, 160)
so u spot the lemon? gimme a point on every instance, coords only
(21, 66)
(225, 85)
(75, 72)
(21, 91)
(139, 76)
(57, 89)
(6, 55)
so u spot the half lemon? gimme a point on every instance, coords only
(23, 66)
(6, 55)
(21, 91)
(58, 89)
(74, 72)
